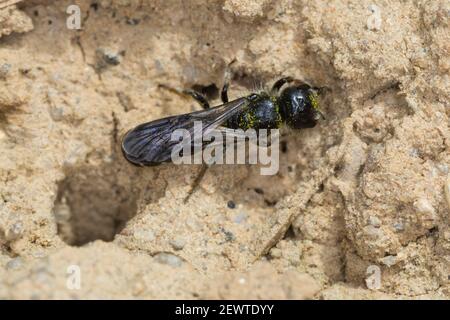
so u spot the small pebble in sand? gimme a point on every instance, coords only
(168, 258)
(374, 221)
(399, 226)
(4, 70)
(15, 231)
(240, 217)
(389, 260)
(422, 205)
(275, 253)
(178, 243)
(426, 210)
(14, 264)
(231, 204)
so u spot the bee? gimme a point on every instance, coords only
(296, 106)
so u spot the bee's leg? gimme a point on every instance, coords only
(196, 182)
(321, 90)
(194, 94)
(224, 93)
(266, 143)
(198, 97)
(226, 82)
(279, 83)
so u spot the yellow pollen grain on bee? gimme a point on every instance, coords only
(314, 101)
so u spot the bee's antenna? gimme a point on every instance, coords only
(254, 85)
(321, 90)
(260, 85)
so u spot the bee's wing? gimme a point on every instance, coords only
(150, 143)
(233, 135)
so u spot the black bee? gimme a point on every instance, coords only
(296, 106)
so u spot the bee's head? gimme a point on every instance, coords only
(299, 106)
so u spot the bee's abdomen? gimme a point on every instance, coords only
(260, 114)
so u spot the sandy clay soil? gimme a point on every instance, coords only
(359, 208)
